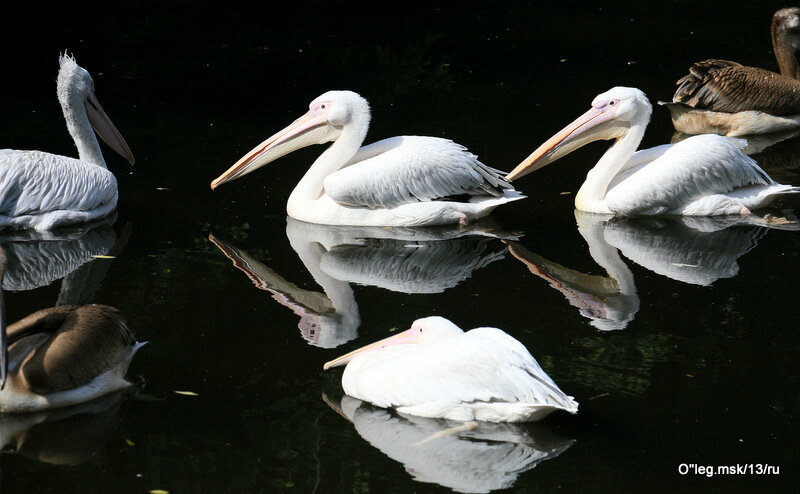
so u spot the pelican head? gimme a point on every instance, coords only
(786, 22)
(611, 116)
(327, 117)
(422, 331)
(75, 89)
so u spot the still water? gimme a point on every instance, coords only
(678, 337)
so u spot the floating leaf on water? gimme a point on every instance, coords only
(104, 257)
(158, 491)
(129, 442)
(565, 193)
(187, 393)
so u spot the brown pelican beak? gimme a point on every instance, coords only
(585, 129)
(407, 337)
(311, 128)
(105, 128)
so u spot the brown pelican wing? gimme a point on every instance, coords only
(724, 86)
(86, 341)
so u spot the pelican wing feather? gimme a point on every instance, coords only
(34, 182)
(701, 166)
(483, 365)
(408, 169)
(728, 87)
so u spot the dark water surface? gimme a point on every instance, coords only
(681, 345)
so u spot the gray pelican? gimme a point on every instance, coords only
(401, 181)
(62, 356)
(42, 190)
(723, 97)
(705, 175)
(436, 370)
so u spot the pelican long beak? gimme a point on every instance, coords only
(407, 337)
(105, 128)
(575, 135)
(311, 128)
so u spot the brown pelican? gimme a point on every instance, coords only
(723, 97)
(62, 356)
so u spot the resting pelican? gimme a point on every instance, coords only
(62, 356)
(705, 175)
(723, 97)
(436, 370)
(41, 190)
(401, 181)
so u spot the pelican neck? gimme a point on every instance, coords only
(591, 197)
(82, 133)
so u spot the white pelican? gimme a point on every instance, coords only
(704, 175)
(401, 181)
(62, 356)
(41, 190)
(727, 98)
(436, 370)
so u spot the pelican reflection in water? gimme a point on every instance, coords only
(406, 260)
(473, 457)
(691, 250)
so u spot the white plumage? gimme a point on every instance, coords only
(41, 190)
(436, 370)
(705, 175)
(401, 181)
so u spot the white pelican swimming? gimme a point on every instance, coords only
(41, 190)
(436, 370)
(62, 356)
(401, 181)
(727, 98)
(704, 175)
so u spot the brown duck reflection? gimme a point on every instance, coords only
(66, 436)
